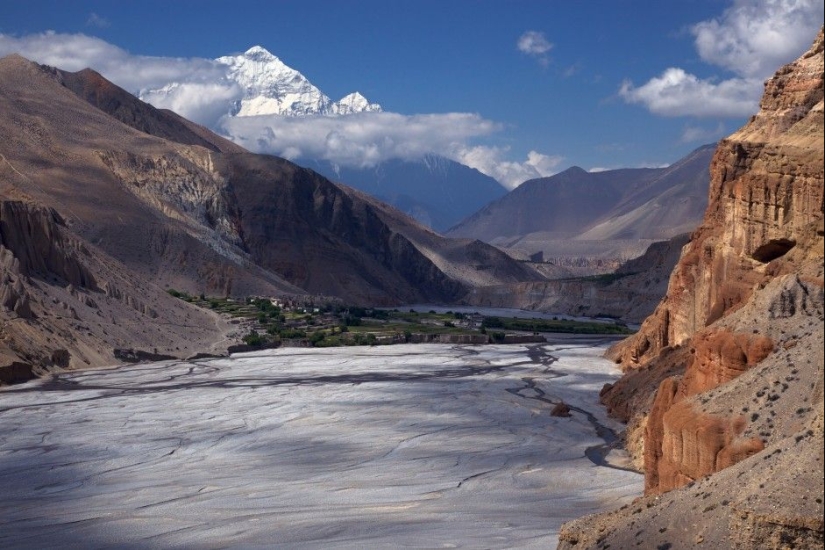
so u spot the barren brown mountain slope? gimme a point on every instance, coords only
(723, 389)
(65, 304)
(189, 209)
(153, 201)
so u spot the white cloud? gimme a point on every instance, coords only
(511, 174)
(534, 43)
(204, 103)
(73, 52)
(94, 20)
(677, 93)
(197, 88)
(362, 139)
(751, 39)
(367, 139)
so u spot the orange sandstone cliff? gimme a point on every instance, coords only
(723, 388)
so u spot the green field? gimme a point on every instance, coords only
(335, 324)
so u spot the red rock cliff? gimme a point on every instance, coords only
(765, 200)
(723, 386)
(766, 187)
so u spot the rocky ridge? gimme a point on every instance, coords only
(64, 304)
(723, 387)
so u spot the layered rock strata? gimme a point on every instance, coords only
(723, 387)
(766, 189)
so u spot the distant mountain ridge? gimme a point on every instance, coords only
(613, 214)
(575, 201)
(434, 190)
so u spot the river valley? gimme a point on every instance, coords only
(414, 445)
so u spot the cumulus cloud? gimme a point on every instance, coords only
(751, 39)
(678, 93)
(202, 102)
(73, 52)
(492, 162)
(198, 89)
(361, 140)
(195, 88)
(534, 43)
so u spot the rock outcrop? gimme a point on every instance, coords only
(723, 386)
(31, 235)
(766, 190)
(64, 304)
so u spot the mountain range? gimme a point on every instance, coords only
(434, 190)
(126, 201)
(609, 214)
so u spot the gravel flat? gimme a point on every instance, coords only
(421, 446)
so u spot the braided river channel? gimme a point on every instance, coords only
(403, 446)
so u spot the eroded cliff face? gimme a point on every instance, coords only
(766, 189)
(725, 378)
(63, 304)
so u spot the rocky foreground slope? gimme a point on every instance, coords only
(723, 388)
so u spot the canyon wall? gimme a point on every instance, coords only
(723, 388)
(765, 191)
(64, 304)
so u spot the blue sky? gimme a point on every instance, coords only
(548, 84)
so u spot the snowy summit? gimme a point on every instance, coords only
(272, 88)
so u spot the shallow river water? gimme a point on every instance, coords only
(422, 446)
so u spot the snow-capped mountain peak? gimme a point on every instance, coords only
(259, 53)
(356, 103)
(254, 82)
(272, 88)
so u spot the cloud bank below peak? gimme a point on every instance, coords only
(364, 140)
(751, 39)
(198, 89)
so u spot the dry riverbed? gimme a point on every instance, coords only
(415, 445)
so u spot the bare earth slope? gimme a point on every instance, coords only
(723, 388)
(65, 304)
(187, 208)
(157, 202)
